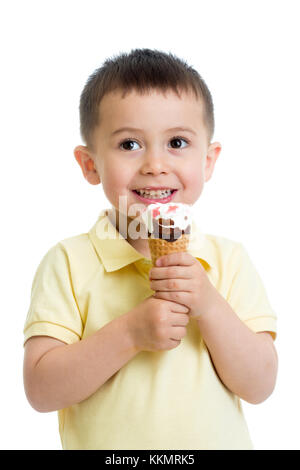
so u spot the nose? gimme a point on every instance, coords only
(154, 162)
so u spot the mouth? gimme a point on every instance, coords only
(158, 195)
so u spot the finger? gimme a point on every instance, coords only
(178, 297)
(178, 308)
(180, 319)
(171, 285)
(178, 332)
(170, 272)
(174, 343)
(176, 259)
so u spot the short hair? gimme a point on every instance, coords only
(141, 70)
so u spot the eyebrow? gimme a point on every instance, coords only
(133, 129)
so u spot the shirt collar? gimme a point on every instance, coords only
(115, 252)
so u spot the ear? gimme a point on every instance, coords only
(213, 152)
(86, 162)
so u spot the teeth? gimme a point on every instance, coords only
(157, 194)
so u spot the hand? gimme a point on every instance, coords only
(157, 325)
(181, 278)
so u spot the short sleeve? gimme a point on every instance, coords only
(247, 295)
(53, 309)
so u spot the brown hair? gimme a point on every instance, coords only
(141, 70)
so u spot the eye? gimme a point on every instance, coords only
(177, 140)
(128, 144)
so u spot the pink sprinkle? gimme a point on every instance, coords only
(155, 212)
(172, 208)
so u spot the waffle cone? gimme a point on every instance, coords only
(160, 247)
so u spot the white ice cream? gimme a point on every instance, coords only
(180, 213)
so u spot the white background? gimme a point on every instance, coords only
(248, 53)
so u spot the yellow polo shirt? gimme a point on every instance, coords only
(158, 400)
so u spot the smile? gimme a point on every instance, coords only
(150, 196)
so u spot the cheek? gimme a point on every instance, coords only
(115, 180)
(193, 182)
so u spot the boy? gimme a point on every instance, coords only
(135, 356)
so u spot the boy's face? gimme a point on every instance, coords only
(155, 154)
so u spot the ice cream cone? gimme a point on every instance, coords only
(168, 226)
(159, 247)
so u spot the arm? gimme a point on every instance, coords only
(58, 375)
(245, 361)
